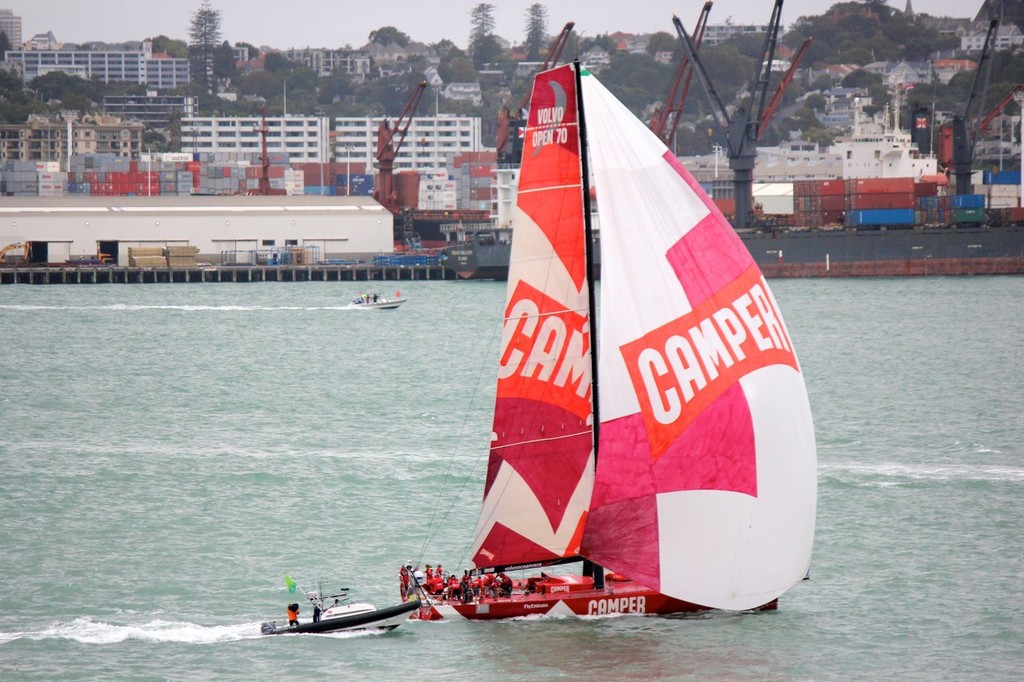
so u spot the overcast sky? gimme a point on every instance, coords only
(336, 23)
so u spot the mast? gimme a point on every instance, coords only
(589, 568)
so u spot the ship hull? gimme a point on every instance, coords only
(620, 598)
(831, 253)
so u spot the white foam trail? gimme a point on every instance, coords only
(935, 472)
(87, 631)
(122, 307)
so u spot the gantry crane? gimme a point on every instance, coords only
(956, 143)
(744, 126)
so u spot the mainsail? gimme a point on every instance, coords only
(705, 481)
(541, 467)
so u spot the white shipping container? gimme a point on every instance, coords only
(1003, 190)
(1003, 202)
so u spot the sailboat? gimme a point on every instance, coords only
(675, 457)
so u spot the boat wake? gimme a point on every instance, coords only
(88, 631)
(893, 474)
(184, 308)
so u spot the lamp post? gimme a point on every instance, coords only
(348, 170)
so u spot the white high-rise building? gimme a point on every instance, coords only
(431, 142)
(302, 138)
(11, 25)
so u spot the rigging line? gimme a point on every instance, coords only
(544, 314)
(547, 188)
(551, 439)
(432, 527)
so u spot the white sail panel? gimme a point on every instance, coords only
(706, 479)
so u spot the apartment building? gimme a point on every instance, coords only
(43, 138)
(11, 25)
(124, 66)
(151, 109)
(300, 138)
(431, 142)
(325, 62)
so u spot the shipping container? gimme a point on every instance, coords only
(870, 185)
(880, 200)
(968, 215)
(1003, 177)
(967, 201)
(880, 217)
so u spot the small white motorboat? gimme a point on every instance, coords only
(377, 302)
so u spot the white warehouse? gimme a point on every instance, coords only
(224, 229)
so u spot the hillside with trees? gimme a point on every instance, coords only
(854, 34)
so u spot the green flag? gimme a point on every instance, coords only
(289, 583)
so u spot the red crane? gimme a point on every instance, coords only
(776, 99)
(264, 189)
(995, 111)
(389, 141)
(506, 117)
(665, 120)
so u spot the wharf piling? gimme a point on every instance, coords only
(66, 274)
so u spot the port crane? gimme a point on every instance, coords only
(390, 137)
(956, 142)
(986, 121)
(745, 124)
(665, 119)
(509, 121)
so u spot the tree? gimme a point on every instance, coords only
(662, 42)
(482, 44)
(254, 51)
(385, 35)
(536, 31)
(204, 34)
(176, 48)
(224, 67)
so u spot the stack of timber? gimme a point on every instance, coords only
(181, 256)
(147, 257)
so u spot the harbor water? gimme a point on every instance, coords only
(170, 452)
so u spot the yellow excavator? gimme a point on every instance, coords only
(11, 247)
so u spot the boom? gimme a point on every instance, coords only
(665, 120)
(389, 142)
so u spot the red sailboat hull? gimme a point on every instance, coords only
(625, 597)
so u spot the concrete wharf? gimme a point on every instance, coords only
(99, 274)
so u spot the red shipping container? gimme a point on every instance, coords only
(831, 187)
(883, 185)
(926, 189)
(833, 202)
(880, 200)
(726, 206)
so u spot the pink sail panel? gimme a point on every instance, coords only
(541, 467)
(706, 470)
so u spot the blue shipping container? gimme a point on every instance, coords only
(967, 201)
(1003, 177)
(361, 185)
(881, 216)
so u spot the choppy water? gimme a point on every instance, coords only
(169, 452)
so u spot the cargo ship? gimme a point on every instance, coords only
(848, 228)
(985, 249)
